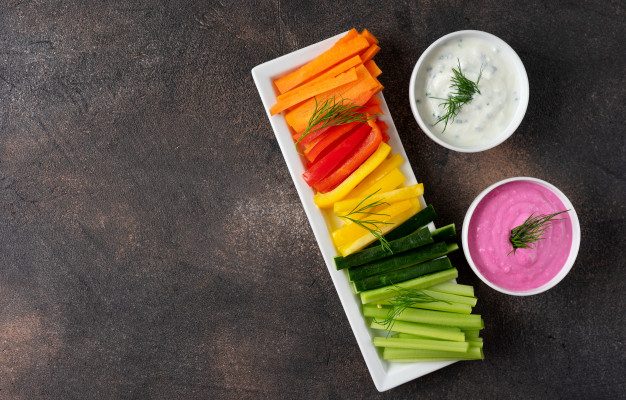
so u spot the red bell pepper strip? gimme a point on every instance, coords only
(383, 130)
(325, 143)
(332, 131)
(326, 165)
(309, 137)
(367, 148)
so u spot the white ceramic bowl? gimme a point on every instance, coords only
(516, 64)
(573, 250)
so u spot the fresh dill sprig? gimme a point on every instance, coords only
(463, 91)
(367, 219)
(531, 230)
(333, 113)
(404, 299)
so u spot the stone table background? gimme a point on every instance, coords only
(152, 244)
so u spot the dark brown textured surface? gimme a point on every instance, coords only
(152, 244)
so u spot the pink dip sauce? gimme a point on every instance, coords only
(504, 208)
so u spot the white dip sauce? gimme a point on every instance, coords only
(490, 112)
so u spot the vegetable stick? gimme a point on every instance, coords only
(353, 161)
(368, 35)
(389, 182)
(374, 109)
(351, 230)
(358, 93)
(337, 69)
(382, 125)
(417, 255)
(463, 321)
(372, 102)
(372, 68)
(427, 331)
(326, 200)
(422, 344)
(352, 33)
(412, 355)
(384, 293)
(305, 92)
(454, 288)
(441, 306)
(355, 261)
(335, 159)
(383, 129)
(404, 274)
(336, 54)
(368, 238)
(370, 52)
(393, 196)
(470, 301)
(364, 188)
(314, 149)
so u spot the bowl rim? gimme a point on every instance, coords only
(571, 258)
(519, 113)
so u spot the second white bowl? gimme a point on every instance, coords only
(571, 258)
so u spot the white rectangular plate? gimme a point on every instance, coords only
(385, 375)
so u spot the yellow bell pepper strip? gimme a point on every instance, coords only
(383, 169)
(391, 181)
(393, 222)
(351, 230)
(325, 200)
(393, 196)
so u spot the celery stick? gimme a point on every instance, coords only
(471, 333)
(471, 321)
(438, 306)
(373, 311)
(473, 342)
(408, 336)
(412, 355)
(470, 301)
(428, 331)
(454, 288)
(388, 292)
(422, 344)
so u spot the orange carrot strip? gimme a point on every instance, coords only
(352, 33)
(372, 102)
(372, 106)
(304, 92)
(358, 93)
(337, 69)
(336, 54)
(373, 68)
(372, 109)
(368, 35)
(370, 52)
(334, 71)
